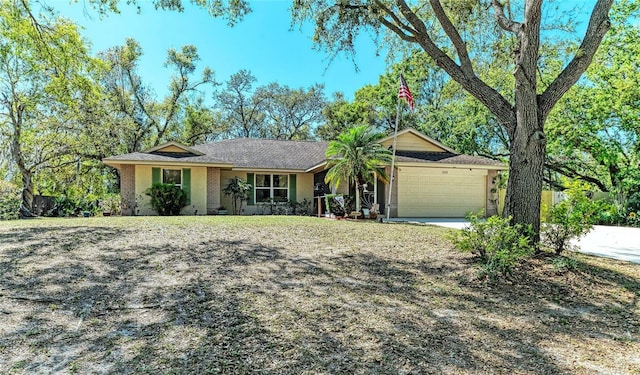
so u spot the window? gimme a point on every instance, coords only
(270, 187)
(172, 176)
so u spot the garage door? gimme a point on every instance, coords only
(426, 192)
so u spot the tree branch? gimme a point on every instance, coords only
(598, 26)
(565, 170)
(397, 25)
(454, 36)
(503, 21)
(488, 96)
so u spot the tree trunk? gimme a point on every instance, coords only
(357, 194)
(527, 140)
(26, 208)
(524, 187)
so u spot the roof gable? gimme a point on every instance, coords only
(173, 147)
(412, 140)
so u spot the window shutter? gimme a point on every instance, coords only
(292, 188)
(250, 181)
(155, 176)
(186, 183)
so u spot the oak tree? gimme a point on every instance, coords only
(437, 28)
(44, 76)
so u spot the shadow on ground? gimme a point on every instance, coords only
(109, 300)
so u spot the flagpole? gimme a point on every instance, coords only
(393, 159)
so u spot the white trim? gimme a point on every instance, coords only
(309, 170)
(268, 170)
(271, 188)
(453, 166)
(114, 162)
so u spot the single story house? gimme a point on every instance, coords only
(432, 180)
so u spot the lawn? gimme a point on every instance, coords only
(291, 295)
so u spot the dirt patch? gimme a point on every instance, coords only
(297, 295)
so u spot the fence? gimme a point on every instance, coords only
(549, 198)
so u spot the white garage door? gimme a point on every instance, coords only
(424, 192)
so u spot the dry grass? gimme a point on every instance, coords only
(297, 295)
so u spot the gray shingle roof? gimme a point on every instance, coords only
(278, 154)
(443, 158)
(266, 153)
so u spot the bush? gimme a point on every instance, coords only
(239, 190)
(64, 206)
(10, 201)
(570, 219)
(562, 264)
(167, 199)
(336, 207)
(111, 204)
(498, 244)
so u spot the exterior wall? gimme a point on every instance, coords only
(410, 142)
(394, 195)
(128, 189)
(304, 190)
(225, 177)
(304, 187)
(213, 190)
(171, 148)
(143, 182)
(198, 190)
(198, 204)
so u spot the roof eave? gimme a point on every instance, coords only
(317, 167)
(114, 162)
(253, 169)
(451, 165)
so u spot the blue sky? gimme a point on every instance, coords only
(262, 43)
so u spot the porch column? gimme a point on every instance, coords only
(213, 190)
(128, 189)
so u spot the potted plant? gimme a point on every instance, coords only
(373, 211)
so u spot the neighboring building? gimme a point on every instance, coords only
(432, 180)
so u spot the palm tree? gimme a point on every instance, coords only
(355, 157)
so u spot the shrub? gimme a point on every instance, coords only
(338, 204)
(562, 264)
(498, 244)
(10, 201)
(111, 204)
(570, 219)
(64, 206)
(238, 189)
(301, 208)
(167, 199)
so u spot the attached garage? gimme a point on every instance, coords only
(440, 192)
(432, 180)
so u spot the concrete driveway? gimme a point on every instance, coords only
(622, 243)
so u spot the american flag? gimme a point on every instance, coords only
(404, 92)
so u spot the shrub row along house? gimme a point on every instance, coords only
(432, 180)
